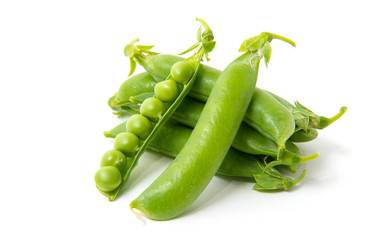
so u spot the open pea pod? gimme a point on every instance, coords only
(204, 46)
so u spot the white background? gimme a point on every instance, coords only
(60, 61)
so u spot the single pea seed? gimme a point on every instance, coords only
(114, 158)
(139, 125)
(152, 108)
(181, 72)
(108, 178)
(166, 90)
(127, 143)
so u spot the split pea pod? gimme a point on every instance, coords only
(143, 126)
(172, 137)
(196, 164)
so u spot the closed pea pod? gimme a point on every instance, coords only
(180, 184)
(159, 65)
(247, 139)
(171, 138)
(280, 125)
(188, 175)
(190, 110)
(271, 119)
(251, 141)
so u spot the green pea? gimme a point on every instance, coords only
(166, 90)
(127, 143)
(108, 178)
(152, 108)
(181, 72)
(139, 125)
(114, 158)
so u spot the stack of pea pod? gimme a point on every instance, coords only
(261, 147)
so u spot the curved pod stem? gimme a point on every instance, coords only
(323, 122)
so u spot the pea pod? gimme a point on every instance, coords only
(171, 138)
(184, 113)
(158, 65)
(139, 125)
(196, 164)
(271, 118)
(247, 139)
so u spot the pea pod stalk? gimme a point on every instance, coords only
(196, 164)
(204, 47)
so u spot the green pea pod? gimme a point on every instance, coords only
(271, 118)
(251, 141)
(171, 138)
(159, 66)
(181, 115)
(247, 139)
(147, 136)
(196, 164)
